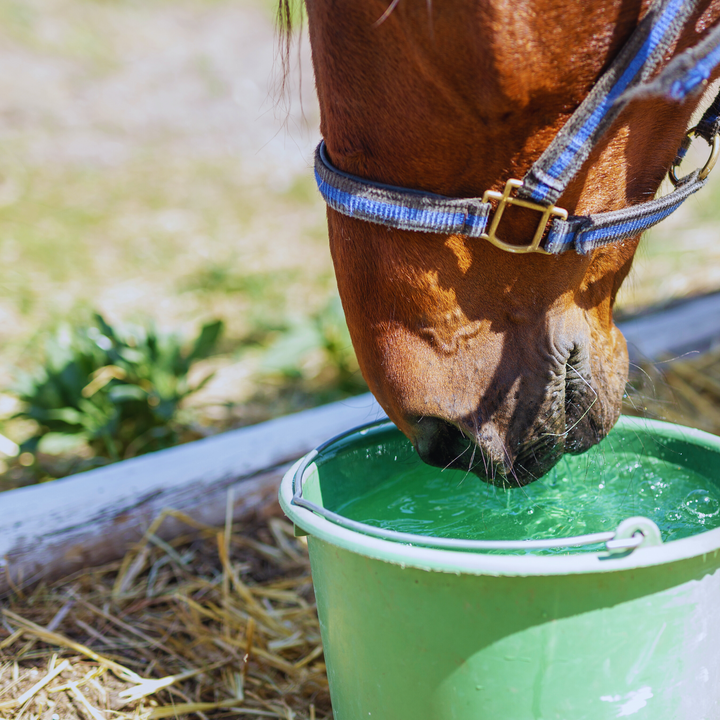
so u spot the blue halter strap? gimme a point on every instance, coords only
(626, 79)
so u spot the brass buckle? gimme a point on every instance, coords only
(504, 199)
(707, 167)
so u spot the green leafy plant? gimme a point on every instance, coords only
(323, 338)
(115, 390)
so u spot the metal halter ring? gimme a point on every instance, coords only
(707, 167)
(506, 198)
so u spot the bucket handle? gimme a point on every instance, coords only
(632, 533)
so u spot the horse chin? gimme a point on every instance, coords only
(535, 459)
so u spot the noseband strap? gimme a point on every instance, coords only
(546, 180)
(395, 206)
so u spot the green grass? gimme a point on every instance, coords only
(175, 253)
(168, 229)
(76, 233)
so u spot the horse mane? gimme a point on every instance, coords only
(285, 13)
(289, 15)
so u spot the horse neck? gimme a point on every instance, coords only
(455, 98)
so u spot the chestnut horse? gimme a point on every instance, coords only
(490, 361)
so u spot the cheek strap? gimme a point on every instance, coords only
(626, 79)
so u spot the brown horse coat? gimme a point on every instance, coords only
(489, 361)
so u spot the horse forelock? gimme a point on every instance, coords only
(288, 14)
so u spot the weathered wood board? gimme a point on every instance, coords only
(49, 531)
(689, 326)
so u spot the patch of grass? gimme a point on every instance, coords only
(148, 201)
(326, 333)
(302, 190)
(114, 391)
(118, 239)
(221, 278)
(78, 30)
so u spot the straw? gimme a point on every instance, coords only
(28, 694)
(681, 390)
(221, 624)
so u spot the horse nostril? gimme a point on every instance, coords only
(441, 444)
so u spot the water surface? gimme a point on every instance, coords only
(580, 495)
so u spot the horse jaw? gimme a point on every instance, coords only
(493, 370)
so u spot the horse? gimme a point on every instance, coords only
(490, 361)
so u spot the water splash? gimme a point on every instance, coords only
(576, 497)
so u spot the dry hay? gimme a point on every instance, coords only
(212, 625)
(684, 391)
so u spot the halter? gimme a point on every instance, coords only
(544, 183)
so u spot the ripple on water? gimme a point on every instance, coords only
(580, 495)
(701, 503)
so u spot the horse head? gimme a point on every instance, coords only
(489, 361)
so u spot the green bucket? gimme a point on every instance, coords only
(423, 628)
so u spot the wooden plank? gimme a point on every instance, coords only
(691, 325)
(51, 530)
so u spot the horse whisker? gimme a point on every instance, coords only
(587, 410)
(386, 14)
(454, 460)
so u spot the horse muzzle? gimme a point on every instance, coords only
(515, 435)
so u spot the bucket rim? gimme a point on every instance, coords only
(478, 563)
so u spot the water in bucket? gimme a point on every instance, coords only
(580, 495)
(583, 494)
